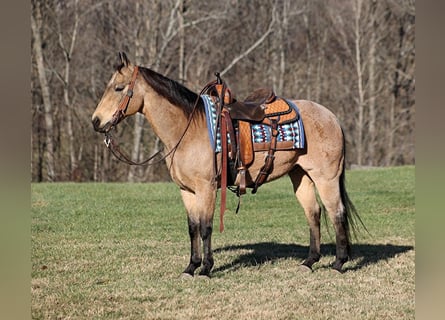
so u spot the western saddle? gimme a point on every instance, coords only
(234, 120)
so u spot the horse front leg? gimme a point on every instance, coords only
(206, 236)
(195, 246)
(200, 207)
(207, 199)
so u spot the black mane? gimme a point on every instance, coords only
(172, 90)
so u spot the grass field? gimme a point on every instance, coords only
(116, 251)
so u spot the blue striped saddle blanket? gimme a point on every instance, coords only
(261, 133)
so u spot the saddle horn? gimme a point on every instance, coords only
(218, 78)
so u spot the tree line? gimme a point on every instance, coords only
(355, 57)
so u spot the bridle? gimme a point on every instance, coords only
(119, 114)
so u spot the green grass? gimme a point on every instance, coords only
(116, 251)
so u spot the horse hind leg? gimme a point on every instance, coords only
(305, 192)
(330, 194)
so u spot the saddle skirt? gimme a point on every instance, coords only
(291, 131)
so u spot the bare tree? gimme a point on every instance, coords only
(67, 48)
(402, 80)
(372, 53)
(139, 119)
(36, 27)
(252, 47)
(357, 8)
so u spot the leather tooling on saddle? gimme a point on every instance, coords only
(263, 122)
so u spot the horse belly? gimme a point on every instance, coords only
(283, 163)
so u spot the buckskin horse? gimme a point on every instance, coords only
(177, 117)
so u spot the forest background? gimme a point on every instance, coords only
(355, 57)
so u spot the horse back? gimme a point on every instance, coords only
(324, 149)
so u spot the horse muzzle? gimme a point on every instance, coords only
(97, 125)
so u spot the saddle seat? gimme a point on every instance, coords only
(261, 106)
(252, 108)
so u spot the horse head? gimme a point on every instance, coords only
(122, 97)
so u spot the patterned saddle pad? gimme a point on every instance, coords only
(261, 133)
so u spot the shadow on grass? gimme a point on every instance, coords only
(270, 252)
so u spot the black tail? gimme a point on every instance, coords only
(352, 218)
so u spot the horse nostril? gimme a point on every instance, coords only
(96, 123)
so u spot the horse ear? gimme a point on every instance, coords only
(123, 58)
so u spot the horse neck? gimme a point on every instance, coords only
(168, 121)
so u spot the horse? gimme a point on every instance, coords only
(176, 115)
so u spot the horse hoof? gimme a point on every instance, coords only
(186, 276)
(204, 277)
(305, 268)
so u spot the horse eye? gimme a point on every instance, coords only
(119, 87)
